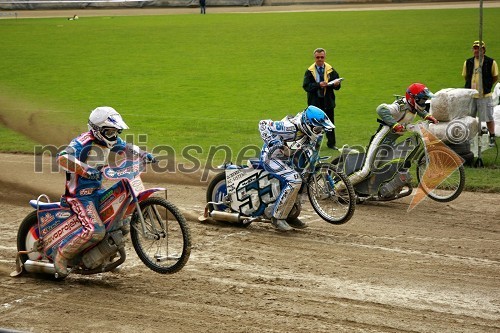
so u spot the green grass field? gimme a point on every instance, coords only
(189, 80)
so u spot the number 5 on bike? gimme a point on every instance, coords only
(269, 189)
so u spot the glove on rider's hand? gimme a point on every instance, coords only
(94, 174)
(149, 158)
(287, 151)
(431, 119)
(275, 142)
(398, 128)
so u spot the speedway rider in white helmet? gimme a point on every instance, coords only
(282, 140)
(83, 181)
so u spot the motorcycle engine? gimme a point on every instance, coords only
(104, 250)
(395, 185)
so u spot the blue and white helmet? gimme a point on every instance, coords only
(313, 121)
(106, 123)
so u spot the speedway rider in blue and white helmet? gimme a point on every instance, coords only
(282, 140)
(83, 179)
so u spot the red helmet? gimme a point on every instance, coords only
(416, 96)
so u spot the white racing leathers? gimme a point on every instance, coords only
(279, 137)
(397, 112)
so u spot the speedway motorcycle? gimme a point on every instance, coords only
(242, 194)
(439, 170)
(159, 232)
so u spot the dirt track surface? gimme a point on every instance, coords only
(433, 269)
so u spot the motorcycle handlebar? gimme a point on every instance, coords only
(416, 127)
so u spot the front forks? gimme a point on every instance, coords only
(324, 184)
(153, 213)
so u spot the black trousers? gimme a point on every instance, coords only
(330, 136)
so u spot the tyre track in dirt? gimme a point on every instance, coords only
(384, 271)
(359, 277)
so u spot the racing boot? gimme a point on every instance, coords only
(280, 224)
(61, 265)
(295, 223)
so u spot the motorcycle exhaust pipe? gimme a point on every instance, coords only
(225, 216)
(39, 267)
(218, 215)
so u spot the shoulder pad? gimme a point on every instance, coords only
(85, 138)
(400, 101)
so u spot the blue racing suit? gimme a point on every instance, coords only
(83, 182)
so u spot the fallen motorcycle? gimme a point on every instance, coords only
(439, 170)
(159, 232)
(243, 194)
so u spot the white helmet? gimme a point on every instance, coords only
(106, 123)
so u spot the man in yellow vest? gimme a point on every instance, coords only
(482, 102)
(320, 82)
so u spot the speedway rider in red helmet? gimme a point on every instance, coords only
(394, 118)
(83, 181)
(282, 141)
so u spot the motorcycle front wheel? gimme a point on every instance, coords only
(163, 243)
(333, 206)
(444, 178)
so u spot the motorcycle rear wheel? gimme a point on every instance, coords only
(216, 191)
(165, 245)
(445, 167)
(331, 205)
(27, 235)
